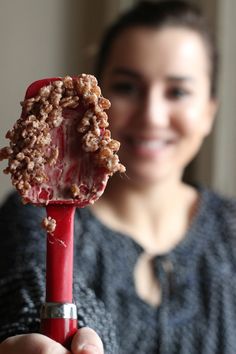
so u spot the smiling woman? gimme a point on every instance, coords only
(158, 65)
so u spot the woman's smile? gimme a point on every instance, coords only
(148, 147)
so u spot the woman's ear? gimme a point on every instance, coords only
(211, 114)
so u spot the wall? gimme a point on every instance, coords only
(216, 164)
(225, 136)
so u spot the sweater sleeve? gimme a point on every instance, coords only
(227, 218)
(22, 259)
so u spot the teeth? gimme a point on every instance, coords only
(150, 144)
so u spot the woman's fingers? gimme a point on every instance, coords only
(31, 344)
(86, 341)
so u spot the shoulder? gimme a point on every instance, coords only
(19, 221)
(14, 213)
(222, 208)
(22, 236)
(220, 225)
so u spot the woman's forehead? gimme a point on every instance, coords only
(172, 47)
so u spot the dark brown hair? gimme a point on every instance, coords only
(158, 15)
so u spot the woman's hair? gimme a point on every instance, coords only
(158, 15)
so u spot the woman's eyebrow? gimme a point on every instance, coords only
(176, 78)
(125, 72)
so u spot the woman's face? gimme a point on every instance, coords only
(158, 84)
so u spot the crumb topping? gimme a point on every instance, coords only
(31, 148)
(49, 224)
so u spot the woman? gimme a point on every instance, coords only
(155, 257)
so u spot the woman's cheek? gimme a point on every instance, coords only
(190, 121)
(120, 112)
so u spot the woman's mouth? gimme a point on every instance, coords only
(149, 147)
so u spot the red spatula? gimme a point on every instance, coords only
(61, 156)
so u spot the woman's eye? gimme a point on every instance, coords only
(124, 88)
(177, 93)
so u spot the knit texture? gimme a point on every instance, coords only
(197, 314)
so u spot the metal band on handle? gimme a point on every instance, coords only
(58, 310)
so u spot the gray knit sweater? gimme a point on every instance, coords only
(198, 310)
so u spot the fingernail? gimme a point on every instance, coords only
(90, 349)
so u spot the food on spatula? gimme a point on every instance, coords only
(61, 155)
(60, 149)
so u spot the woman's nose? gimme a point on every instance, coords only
(154, 109)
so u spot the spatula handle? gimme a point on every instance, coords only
(59, 263)
(59, 322)
(58, 314)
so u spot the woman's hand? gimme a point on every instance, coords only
(85, 341)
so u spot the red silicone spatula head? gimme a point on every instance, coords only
(61, 151)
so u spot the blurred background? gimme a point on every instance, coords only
(49, 38)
